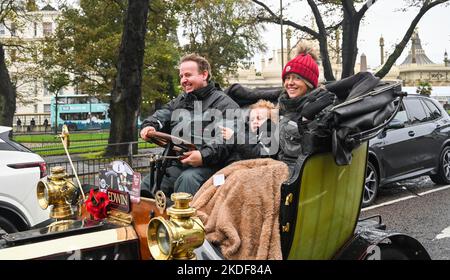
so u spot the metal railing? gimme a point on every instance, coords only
(88, 169)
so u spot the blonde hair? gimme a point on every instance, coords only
(266, 105)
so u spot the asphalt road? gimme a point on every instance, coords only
(420, 209)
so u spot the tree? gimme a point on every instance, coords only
(223, 31)
(86, 43)
(424, 88)
(12, 14)
(126, 94)
(350, 14)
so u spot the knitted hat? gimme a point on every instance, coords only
(305, 66)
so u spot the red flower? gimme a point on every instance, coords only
(97, 204)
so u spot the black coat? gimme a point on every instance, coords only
(210, 97)
(250, 145)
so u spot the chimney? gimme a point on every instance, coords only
(363, 65)
(382, 49)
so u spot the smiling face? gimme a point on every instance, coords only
(190, 77)
(294, 85)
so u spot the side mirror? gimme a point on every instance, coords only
(395, 124)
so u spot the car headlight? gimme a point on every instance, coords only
(57, 191)
(178, 237)
(163, 239)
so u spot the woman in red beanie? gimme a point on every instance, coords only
(300, 76)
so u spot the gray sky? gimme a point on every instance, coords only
(380, 19)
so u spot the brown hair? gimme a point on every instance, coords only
(202, 63)
(266, 105)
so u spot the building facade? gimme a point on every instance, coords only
(31, 29)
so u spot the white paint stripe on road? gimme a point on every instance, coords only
(404, 198)
(435, 190)
(444, 234)
(387, 203)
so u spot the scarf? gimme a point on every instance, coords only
(197, 95)
(291, 106)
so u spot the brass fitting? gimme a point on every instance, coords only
(177, 238)
(58, 191)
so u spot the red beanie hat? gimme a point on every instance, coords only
(305, 66)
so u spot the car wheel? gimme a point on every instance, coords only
(443, 174)
(7, 225)
(390, 252)
(72, 127)
(370, 185)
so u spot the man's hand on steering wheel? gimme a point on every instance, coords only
(193, 158)
(145, 131)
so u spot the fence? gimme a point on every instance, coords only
(88, 169)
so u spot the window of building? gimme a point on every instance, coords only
(13, 29)
(13, 55)
(46, 91)
(47, 28)
(2, 29)
(35, 108)
(46, 108)
(35, 28)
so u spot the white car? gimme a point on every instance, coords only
(20, 171)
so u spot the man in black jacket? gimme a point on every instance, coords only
(201, 96)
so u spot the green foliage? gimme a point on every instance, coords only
(86, 46)
(223, 31)
(424, 88)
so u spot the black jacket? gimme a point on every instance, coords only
(290, 118)
(209, 97)
(250, 145)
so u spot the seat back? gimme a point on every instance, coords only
(328, 205)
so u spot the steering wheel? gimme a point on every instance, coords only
(172, 142)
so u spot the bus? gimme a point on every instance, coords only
(80, 112)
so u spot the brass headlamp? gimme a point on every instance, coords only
(178, 237)
(58, 191)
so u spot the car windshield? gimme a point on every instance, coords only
(7, 144)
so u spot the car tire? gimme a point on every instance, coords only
(371, 185)
(390, 252)
(7, 225)
(443, 175)
(72, 127)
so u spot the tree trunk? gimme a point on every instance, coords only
(324, 55)
(7, 93)
(350, 30)
(126, 95)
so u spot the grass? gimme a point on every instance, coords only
(91, 151)
(92, 145)
(51, 138)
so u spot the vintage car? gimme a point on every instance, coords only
(318, 216)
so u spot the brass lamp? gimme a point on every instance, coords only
(177, 238)
(58, 191)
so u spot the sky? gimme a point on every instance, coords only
(381, 20)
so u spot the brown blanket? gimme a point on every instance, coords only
(241, 216)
